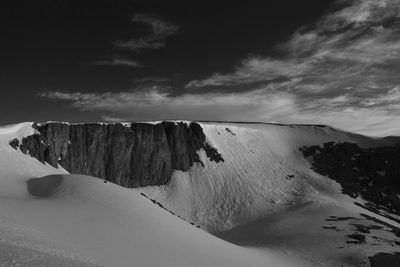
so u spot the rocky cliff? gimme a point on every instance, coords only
(131, 155)
(372, 173)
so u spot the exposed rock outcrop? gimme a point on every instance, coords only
(372, 173)
(385, 259)
(131, 155)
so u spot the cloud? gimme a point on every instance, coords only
(151, 80)
(111, 119)
(253, 70)
(360, 42)
(159, 31)
(257, 105)
(157, 104)
(117, 61)
(348, 60)
(341, 71)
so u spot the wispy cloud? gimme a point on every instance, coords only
(341, 49)
(256, 105)
(254, 70)
(341, 71)
(348, 60)
(158, 104)
(111, 119)
(151, 80)
(118, 61)
(159, 31)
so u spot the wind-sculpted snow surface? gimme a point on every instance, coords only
(82, 221)
(263, 171)
(266, 195)
(249, 184)
(43, 186)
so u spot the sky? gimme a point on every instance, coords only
(331, 62)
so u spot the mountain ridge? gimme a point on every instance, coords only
(265, 186)
(134, 155)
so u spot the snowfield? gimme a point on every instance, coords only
(263, 171)
(265, 196)
(85, 222)
(263, 205)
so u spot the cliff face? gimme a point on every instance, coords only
(372, 173)
(138, 154)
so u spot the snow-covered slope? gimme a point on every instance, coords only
(86, 222)
(263, 170)
(263, 197)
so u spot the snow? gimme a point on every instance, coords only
(249, 194)
(85, 222)
(250, 183)
(108, 225)
(263, 218)
(17, 131)
(300, 229)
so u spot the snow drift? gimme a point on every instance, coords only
(264, 197)
(80, 220)
(263, 171)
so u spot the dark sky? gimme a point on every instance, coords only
(280, 61)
